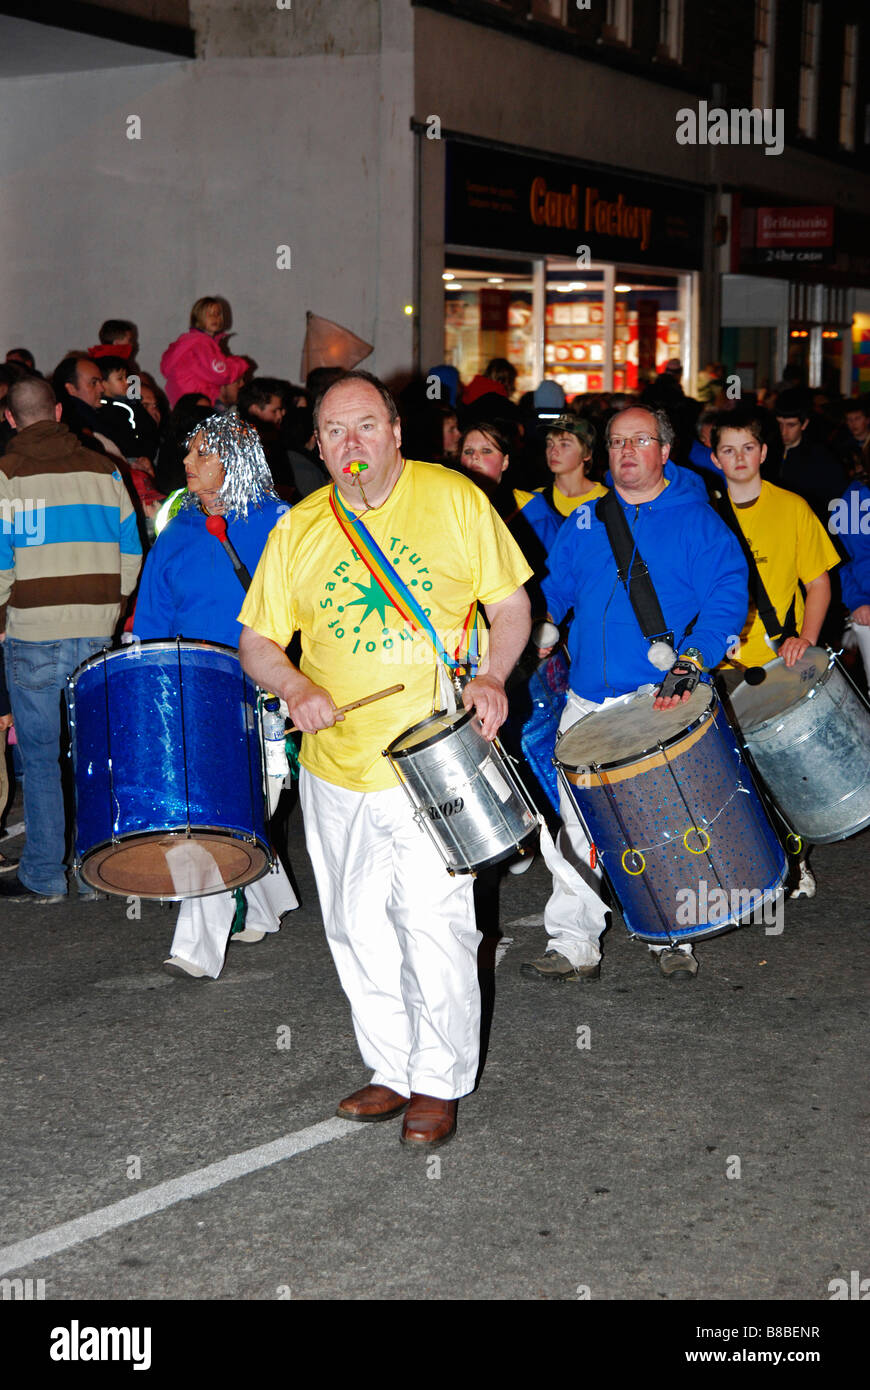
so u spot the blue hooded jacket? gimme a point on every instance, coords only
(544, 520)
(697, 569)
(855, 576)
(189, 587)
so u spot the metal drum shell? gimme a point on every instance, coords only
(164, 760)
(497, 821)
(814, 757)
(701, 765)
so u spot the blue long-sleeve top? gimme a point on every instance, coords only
(697, 569)
(855, 576)
(189, 587)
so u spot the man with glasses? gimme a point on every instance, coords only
(699, 575)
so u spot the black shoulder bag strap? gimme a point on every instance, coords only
(637, 584)
(775, 630)
(549, 494)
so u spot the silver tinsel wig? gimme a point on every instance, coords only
(247, 480)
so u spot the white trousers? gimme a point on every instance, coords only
(402, 934)
(202, 929)
(575, 918)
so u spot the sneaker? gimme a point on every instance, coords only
(12, 890)
(7, 865)
(677, 965)
(177, 965)
(806, 884)
(249, 934)
(553, 966)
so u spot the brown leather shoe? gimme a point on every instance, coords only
(429, 1122)
(371, 1104)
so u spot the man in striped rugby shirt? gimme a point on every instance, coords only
(69, 557)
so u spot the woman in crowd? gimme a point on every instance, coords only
(189, 588)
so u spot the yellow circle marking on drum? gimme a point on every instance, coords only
(636, 854)
(693, 829)
(799, 844)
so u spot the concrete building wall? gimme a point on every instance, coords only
(237, 157)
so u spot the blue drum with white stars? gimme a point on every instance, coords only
(669, 805)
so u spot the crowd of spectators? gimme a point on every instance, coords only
(816, 445)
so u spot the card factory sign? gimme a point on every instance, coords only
(520, 203)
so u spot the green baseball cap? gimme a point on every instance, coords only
(573, 424)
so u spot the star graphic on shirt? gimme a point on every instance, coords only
(373, 599)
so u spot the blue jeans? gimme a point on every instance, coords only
(36, 675)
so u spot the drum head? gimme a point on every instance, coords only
(781, 688)
(629, 729)
(158, 644)
(175, 865)
(429, 731)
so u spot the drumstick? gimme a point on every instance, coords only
(355, 704)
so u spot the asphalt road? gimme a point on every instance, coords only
(630, 1139)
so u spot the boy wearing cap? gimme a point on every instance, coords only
(790, 547)
(570, 445)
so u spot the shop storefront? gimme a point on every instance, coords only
(585, 276)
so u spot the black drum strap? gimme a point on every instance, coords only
(767, 613)
(633, 573)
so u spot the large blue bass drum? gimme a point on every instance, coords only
(167, 762)
(668, 801)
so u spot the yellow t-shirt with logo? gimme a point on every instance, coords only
(564, 505)
(789, 543)
(448, 545)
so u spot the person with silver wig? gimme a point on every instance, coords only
(191, 587)
(246, 478)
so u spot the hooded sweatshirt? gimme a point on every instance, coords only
(69, 547)
(855, 576)
(697, 569)
(197, 362)
(189, 587)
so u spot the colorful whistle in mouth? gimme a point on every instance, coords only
(355, 467)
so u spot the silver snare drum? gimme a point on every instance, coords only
(464, 791)
(808, 732)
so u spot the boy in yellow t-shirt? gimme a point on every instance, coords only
(570, 445)
(790, 548)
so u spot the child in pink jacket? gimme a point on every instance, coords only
(197, 361)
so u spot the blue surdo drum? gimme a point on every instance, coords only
(168, 771)
(669, 805)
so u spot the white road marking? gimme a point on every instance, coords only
(536, 920)
(500, 949)
(166, 1194)
(13, 830)
(133, 982)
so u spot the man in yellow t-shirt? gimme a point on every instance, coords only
(790, 548)
(401, 929)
